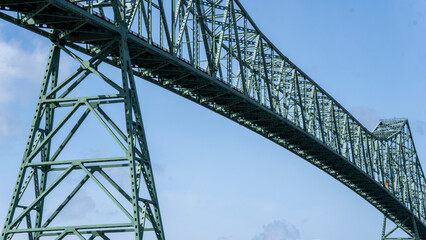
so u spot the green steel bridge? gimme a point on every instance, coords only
(212, 53)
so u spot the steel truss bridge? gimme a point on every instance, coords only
(212, 53)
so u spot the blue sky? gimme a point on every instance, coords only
(217, 180)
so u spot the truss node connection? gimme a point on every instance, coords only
(212, 53)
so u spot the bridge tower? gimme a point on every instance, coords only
(43, 171)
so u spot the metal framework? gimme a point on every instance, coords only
(393, 232)
(210, 52)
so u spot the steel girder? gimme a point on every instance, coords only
(390, 234)
(212, 52)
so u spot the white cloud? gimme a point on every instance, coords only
(80, 205)
(14, 58)
(278, 230)
(418, 127)
(225, 238)
(21, 69)
(366, 116)
(7, 126)
(19, 66)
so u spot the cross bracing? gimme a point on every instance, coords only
(212, 53)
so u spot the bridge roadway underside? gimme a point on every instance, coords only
(161, 68)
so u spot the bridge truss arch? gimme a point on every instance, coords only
(212, 53)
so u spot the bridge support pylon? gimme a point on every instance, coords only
(50, 179)
(389, 234)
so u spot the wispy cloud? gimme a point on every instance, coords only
(278, 230)
(418, 127)
(14, 81)
(80, 206)
(14, 57)
(224, 238)
(366, 116)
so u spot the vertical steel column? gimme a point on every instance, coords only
(136, 135)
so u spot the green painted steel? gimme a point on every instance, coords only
(38, 161)
(210, 52)
(392, 234)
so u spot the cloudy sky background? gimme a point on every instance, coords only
(217, 180)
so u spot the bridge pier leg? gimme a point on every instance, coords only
(49, 174)
(388, 235)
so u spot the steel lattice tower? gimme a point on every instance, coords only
(40, 154)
